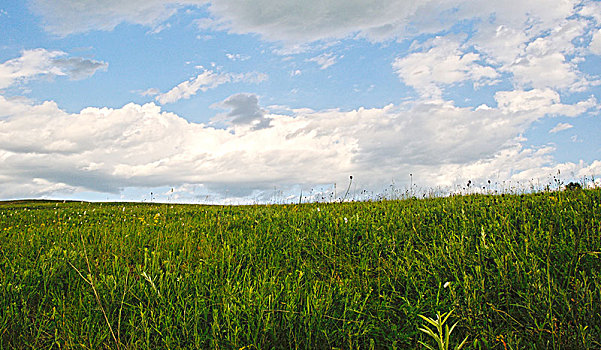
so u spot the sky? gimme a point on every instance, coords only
(236, 101)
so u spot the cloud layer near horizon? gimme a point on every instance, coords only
(43, 149)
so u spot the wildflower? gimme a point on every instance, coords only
(448, 283)
(345, 220)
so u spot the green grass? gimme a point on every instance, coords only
(524, 271)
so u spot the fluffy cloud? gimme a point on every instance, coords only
(539, 101)
(41, 62)
(244, 111)
(441, 62)
(543, 61)
(205, 81)
(537, 54)
(499, 52)
(46, 150)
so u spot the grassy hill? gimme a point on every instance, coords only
(519, 271)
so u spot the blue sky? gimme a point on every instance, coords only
(236, 102)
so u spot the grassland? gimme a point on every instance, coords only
(519, 271)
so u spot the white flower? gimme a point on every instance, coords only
(446, 284)
(345, 220)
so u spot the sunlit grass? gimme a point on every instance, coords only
(519, 271)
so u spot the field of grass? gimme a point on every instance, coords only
(519, 271)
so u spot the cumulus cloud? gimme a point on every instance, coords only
(499, 52)
(78, 67)
(205, 81)
(41, 62)
(544, 71)
(538, 56)
(544, 101)
(440, 62)
(543, 61)
(46, 150)
(244, 111)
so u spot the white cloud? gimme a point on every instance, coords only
(560, 127)
(205, 81)
(64, 17)
(595, 45)
(325, 60)
(541, 102)
(501, 43)
(519, 101)
(160, 28)
(311, 21)
(536, 56)
(592, 9)
(237, 57)
(44, 149)
(532, 41)
(542, 63)
(274, 20)
(40, 62)
(442, 62)
(308, 21)
(150, 92)
(499, 52)
(544, 71)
